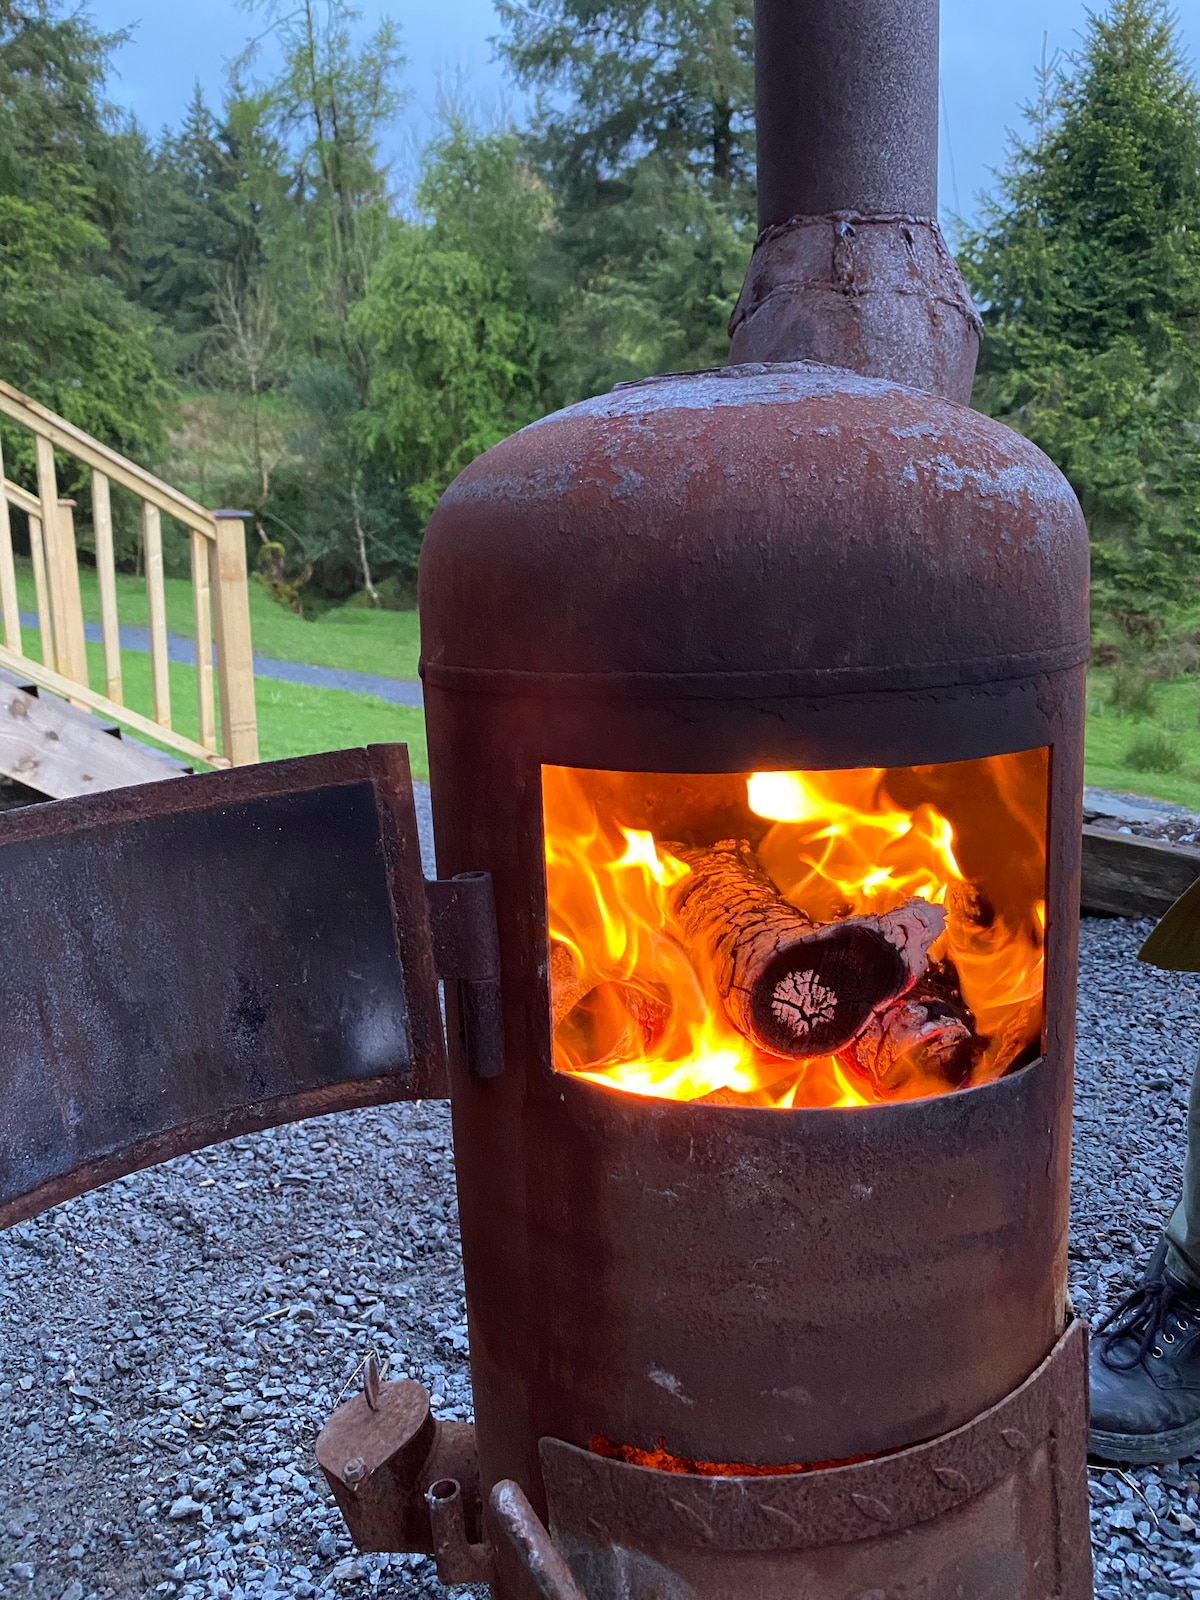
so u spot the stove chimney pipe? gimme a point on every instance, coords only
(846, 98)
(851, 268)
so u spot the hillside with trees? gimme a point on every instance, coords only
(252, 304)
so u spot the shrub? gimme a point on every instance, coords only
(1154, 751)
(1132, 691)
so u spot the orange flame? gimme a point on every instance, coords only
(635, 1010)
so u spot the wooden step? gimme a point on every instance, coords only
(1124, 876)
(60, 751)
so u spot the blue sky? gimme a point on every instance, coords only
(990, 52)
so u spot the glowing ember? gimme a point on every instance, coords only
(662, 1460)
(707, 933)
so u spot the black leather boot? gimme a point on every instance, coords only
(1145, 1373)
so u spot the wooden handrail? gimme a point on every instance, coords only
(22, 499)
(34, 672)
(220, 592)
(65, 436)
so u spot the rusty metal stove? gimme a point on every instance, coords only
(816, 560)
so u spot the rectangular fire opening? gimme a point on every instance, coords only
(807, 938)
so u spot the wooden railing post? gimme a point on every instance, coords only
(156, 607)
(54, 651)
(202, 621)
(41, 587)
(106, 578)
(71, 644)
(235, 652)
(9, 603)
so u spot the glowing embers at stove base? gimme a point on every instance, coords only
(797, 938)
(662, 1460)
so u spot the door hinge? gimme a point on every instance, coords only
(466, 952)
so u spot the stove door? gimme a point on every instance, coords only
(187, 961)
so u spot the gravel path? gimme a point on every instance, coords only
(399, 691)
(1133, 813)
(170, 1346)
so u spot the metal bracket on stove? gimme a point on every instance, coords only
(466, 951)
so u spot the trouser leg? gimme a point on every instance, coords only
(1183, 1230)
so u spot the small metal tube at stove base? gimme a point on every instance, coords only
(458, 1560)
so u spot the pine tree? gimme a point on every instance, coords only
(630, 80)
(645, 134)
(68, 167)
(213, 199)
(1087, 267)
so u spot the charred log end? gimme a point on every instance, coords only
(613, 1022)
(925, 1038)
(815, 996)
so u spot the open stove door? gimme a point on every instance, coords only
(187, 961)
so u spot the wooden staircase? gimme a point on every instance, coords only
(61, 736)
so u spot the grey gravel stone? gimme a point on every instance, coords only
(170, 1345)
(179, 1337)
(1139, 1031)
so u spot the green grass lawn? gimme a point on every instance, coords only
(1111, 736)
(292, 720)
(356, 639)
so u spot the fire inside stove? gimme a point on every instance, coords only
(806, 938)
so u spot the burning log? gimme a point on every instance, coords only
(792, 986)
(603, 1021)
(926, 1034)
(567, 985)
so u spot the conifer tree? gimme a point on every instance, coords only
(1087, 268)
(645, 134)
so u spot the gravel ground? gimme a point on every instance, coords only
(1139, 1030)
(170, 1346)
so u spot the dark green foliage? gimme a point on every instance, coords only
(213, 195)
(661, 299)
(458, 314)
(641, 79)
(67, 168)
(1088, 266)
(340, 521)
(644, 131)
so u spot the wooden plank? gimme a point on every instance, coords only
(1125, 876)
(106, 576)
(34, 672)
(202, 613)
(61, 753)
(10, 609)
(48, 506)
(235, 650)
(55, 430)
(22, 499)
(71, 642)
(41, 588)
(156, 600)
